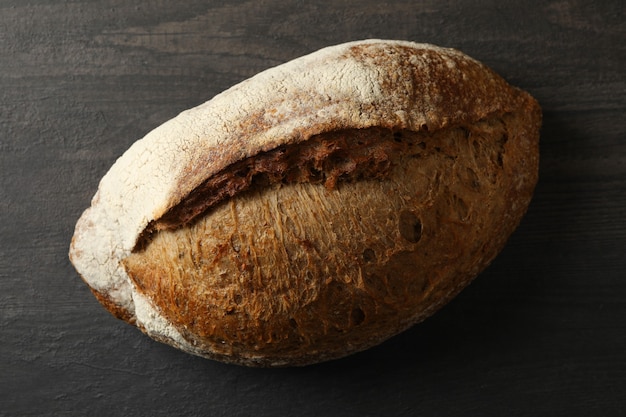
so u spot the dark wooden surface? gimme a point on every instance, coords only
(541, 332)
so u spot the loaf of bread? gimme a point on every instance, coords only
(315, 209)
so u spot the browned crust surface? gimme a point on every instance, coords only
(113, 307)
(296, 272)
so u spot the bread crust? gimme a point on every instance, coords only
(393, 85)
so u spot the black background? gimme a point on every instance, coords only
(541, 332)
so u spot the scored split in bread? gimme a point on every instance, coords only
(315, 209)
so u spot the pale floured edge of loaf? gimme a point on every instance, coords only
(326, 90)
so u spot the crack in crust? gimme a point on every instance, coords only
(328, 158)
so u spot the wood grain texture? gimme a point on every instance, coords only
(541, 332)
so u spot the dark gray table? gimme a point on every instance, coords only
(541, 332)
